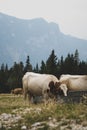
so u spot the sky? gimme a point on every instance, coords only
(70, 15)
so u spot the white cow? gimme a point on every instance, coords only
(39, 85)
(73, 83)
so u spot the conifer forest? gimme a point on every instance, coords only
(11, 77)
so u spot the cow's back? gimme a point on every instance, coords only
(78, 84)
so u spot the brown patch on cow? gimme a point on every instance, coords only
(58, 91)
(57, 84)
(53, 88)
(48, 90)
(51, 84)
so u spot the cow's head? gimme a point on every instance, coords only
(64, 89)
(58, 88)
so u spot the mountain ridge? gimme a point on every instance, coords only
(36, 38)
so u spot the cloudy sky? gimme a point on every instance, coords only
(71, 15)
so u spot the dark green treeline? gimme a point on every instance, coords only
(12, 78)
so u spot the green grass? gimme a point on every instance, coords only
(9, 103)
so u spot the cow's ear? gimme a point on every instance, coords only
(51, 84)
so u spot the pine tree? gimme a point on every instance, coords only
(69, 64)
(4, 74)
(16, 74)
(36, 69)
(76, 57)
(76, 62)
(51, 63)
(28, 66)
(43, 67)
(60, 66)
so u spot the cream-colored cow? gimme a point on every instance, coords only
(73, 83)
(39, 85)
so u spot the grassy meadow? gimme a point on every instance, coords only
(47, 117)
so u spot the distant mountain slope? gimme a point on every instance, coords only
(36, 38)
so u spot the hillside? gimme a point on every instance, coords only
(36, 38)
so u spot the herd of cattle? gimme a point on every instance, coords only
(49, 86)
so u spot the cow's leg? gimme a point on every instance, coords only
(45, 96)
(25, 94)
(30, 98)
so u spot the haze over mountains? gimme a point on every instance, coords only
(36, 38)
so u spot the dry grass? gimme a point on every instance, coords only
(32, 113)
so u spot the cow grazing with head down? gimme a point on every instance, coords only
(73, 83)
(17, 91)
(44, 85)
